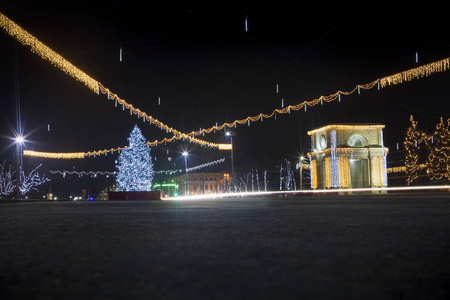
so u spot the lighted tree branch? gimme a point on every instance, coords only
(31, 181)
(7, 183)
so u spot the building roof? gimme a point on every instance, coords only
(365, 126)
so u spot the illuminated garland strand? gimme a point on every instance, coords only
(177, 135)
(395, 79)
(213, 163)
(107, 173)
(72, 155)
(83, 173)
(46, 53)
(416, 73)
(398, 78)
(39, 48)
(79, 155)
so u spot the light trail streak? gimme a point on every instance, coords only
(311, 192)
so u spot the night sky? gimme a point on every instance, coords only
(198, 58)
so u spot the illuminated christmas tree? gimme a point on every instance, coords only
(439, 158)
(135, 167)
(413, 144)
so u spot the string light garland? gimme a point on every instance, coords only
(39, 48)
(398, 78)
(73, 155)
(84, 173)
(113, 173)
(70, 155)
(212, 163)
(80, 155)
(58, 61)
(416, 73)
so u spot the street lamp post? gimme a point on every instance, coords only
(19, 140)
(301, 172)
(230, 134)
(186, 189)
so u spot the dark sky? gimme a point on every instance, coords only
(199, 60)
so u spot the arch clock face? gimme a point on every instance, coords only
(322, 142)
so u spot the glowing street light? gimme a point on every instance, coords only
(19, 140)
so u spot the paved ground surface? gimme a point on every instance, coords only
(337, 247)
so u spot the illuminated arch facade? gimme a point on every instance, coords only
(348, 156)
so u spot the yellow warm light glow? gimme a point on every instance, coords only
(70, 155)
(77, 155)
(74, 155)
(347, 127)
(313, 174)
(416, 73)
(225, 146)
(344, 175)
(327, 172)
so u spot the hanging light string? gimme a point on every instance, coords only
(79, 155)
(395, 79)
(57, 60)
(84, 173)
(70, 155)
(416, 73)
(39, 48)
(107, 173)
(202, 166)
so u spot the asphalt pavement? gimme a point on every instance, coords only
(306, 247)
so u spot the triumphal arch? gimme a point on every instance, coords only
(348, 156)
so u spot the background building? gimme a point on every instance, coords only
(202, 183)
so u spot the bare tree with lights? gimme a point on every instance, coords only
(7, 183)
(31, 181)
(287, 177)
